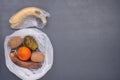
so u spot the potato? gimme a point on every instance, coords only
(37, 57)
(14, 42)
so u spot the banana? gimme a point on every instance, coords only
(18, 17)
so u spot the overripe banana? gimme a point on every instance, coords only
(18, 17)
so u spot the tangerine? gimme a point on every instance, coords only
(24, 53)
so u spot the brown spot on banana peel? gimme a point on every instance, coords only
(18, 17)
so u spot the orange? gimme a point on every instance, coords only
(24, 53)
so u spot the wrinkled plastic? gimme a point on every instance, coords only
(44, 45)
(32, 21)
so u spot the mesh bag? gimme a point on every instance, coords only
(44, 45)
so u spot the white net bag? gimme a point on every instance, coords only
(44, 45)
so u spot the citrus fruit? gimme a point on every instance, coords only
(24, 53)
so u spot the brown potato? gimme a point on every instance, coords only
(27, 64)
(37, 57)
(14, 42)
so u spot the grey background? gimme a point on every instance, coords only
(85, 35)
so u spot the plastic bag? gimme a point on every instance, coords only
(44, 45)
(32, 21)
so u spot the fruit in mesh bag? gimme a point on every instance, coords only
(24, 53)
(25, 64)
(30, 42)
